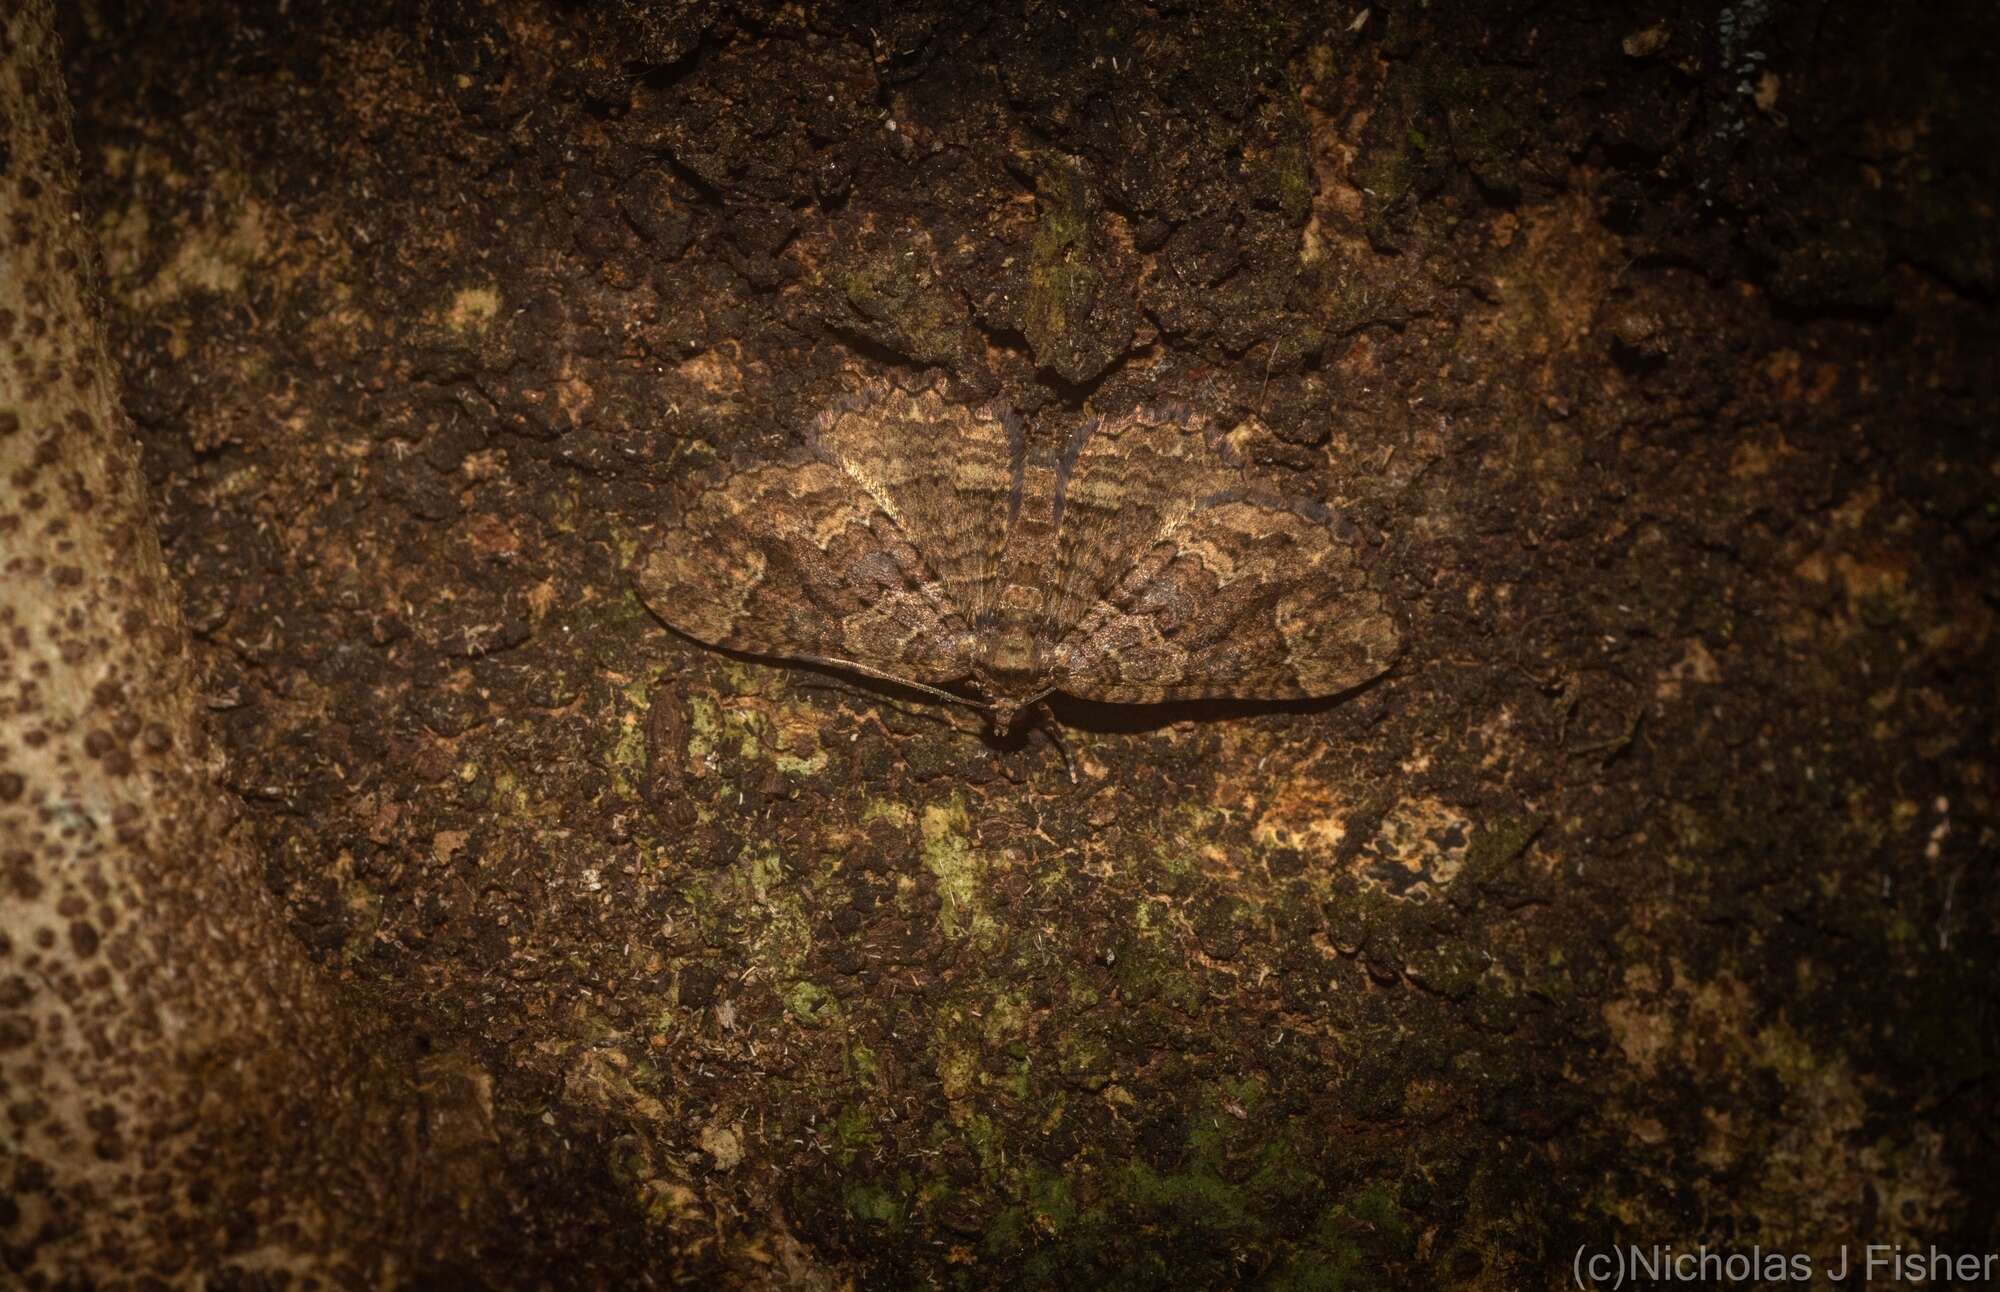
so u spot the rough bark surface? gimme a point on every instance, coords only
(183, 1097)
(1650, 899)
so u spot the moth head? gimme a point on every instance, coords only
(1006, 710)
(1006, 696)
(1008, 670)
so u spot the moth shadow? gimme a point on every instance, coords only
(1101, 717)
(1097, 717)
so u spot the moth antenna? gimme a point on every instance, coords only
(884, 675)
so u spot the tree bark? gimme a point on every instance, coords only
(1648, 904)
(180, 1091)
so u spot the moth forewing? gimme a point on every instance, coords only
(935, 545)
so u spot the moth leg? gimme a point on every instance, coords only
(1049, 728)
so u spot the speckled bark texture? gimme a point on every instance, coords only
(174, 1080)
(1649, 898)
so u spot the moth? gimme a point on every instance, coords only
(941, 547)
